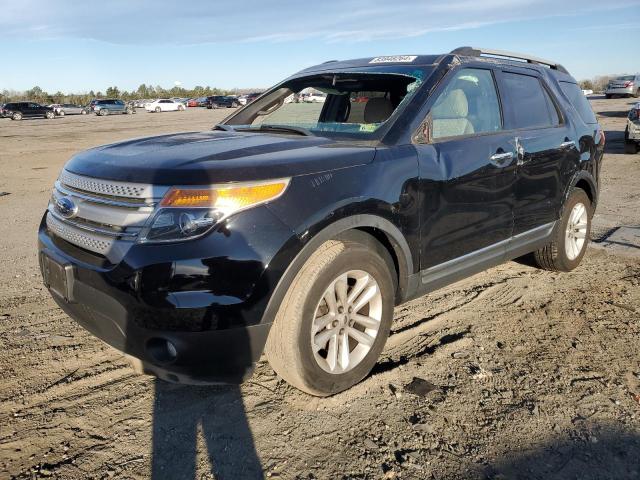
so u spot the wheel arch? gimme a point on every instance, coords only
(363, 228)
(585, 181)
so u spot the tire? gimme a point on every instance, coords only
(16, 116)
(49, 115)
(103, 112)
(554, 255)
(630, 146)
(234, 105)
(158, 109)
(607, 96)
(83, 112)
(129, 111)
(181, 108)
(637, 94)
(61, 113)
(289, 345)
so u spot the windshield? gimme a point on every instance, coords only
(351, 103)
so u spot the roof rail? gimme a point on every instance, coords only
(477, 52)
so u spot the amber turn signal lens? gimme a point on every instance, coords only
(225, 198)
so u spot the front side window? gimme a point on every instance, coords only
(342, 103)
(530, 102)
(468, 105)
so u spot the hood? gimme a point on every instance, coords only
(200, 158)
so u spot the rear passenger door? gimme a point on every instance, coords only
(546, 147)
(467, 171)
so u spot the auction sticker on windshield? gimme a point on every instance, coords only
(395, 59)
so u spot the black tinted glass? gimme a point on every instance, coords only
(530, 102)
(578, 100)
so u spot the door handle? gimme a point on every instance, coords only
(568, 144)
(501, 159)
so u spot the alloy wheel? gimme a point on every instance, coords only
(576, 232)
(346, 321)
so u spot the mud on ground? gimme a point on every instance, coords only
(512, 373)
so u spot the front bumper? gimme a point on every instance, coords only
(187, 316)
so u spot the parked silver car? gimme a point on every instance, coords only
(626, 86)
(68, 109)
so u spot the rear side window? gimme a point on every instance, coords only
(578, 100)
(531, 105)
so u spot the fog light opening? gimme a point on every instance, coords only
(161, 350)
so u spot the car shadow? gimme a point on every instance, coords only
(216, 414)
(590, 451)
(614, 113)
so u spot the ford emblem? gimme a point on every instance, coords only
(66, 207)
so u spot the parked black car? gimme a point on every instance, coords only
(222, 101)
(20, 110)
(296, 228)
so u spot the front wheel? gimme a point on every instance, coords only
(61, 113)
(49, 115)
(334, 320)
(607, 96)
(103, 112)
(158, 110)
(570, 236)
(83, 112)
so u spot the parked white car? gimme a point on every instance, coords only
(164, 105)
(314, 98)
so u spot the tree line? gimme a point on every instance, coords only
(36, 94)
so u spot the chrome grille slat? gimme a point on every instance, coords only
(96, 243)
(107, 187)
(97, 199)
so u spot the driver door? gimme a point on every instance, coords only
(467, 175)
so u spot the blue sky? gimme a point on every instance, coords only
(82, 45)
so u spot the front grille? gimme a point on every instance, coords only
(110, 215)
(93, 242)
(105, 187)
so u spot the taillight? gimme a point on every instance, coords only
(602, 138)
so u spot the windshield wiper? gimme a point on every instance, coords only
(279, 128)
(223, 126)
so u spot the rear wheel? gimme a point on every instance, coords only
(83, 112)
(607, 96)
(637, 94)
(181, 108)
(16, 116)
(334, 320)
(570, 237)
(104, 112)
(158, 109)
(61, 113)
(49, 115)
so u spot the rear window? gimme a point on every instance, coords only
(532, 107)
(579, 101)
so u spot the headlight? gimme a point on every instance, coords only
(190, 212)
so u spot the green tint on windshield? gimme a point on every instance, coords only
(355, 103)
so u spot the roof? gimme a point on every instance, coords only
(498, 56)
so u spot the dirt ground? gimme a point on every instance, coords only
(513, 373)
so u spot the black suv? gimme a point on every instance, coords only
(295, 228)
(222, 101)
(20, 110)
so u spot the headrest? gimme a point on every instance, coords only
(377, 110)
(453, 105)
